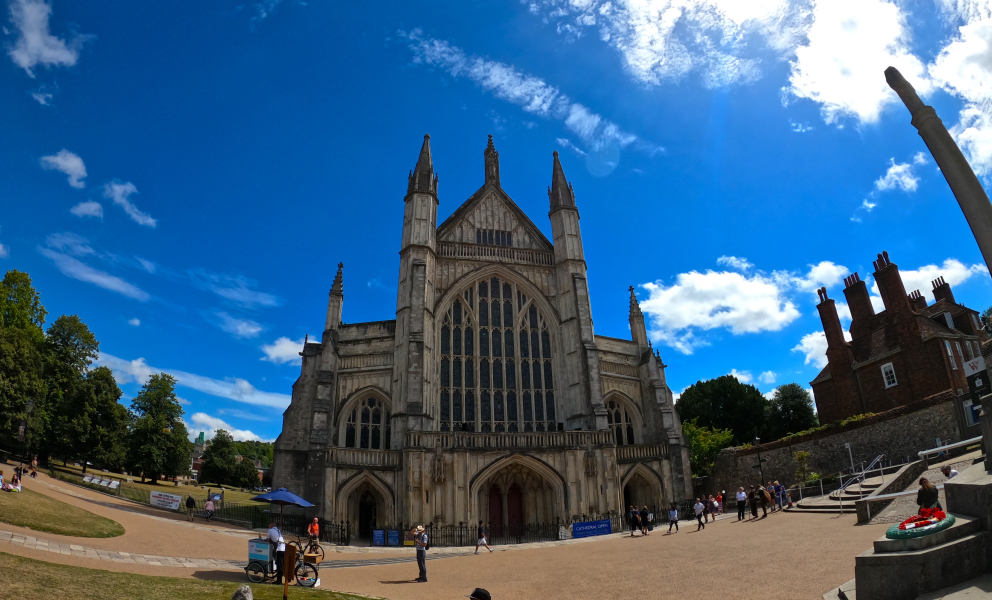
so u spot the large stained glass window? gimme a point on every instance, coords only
(620, 422)
(496, 363)
(368, 426)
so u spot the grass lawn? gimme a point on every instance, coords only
(28, 578)
(168, 487)
(41, 513)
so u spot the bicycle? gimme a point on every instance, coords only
(310, 546)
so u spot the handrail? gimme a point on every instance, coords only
(897, 494)
(861, 476)
(939, 449)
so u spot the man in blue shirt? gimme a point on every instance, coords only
(421, 542)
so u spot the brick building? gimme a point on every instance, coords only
(905, 353)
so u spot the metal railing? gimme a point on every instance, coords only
(464, 534)
(925, 454)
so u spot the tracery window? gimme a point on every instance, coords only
(368, 426)
(496, 362)
(620, 422)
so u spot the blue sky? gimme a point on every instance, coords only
(187, 176)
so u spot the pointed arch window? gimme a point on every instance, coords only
(497, 366)
(368, 425)
(620, 423)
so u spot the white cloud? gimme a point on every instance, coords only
(850, 44)
(183, 401)
(63, 248)
(567, 143)
(665, 40)
(899, 175)
(88, 208)
(868, 206)
(734, 262)
(119, 192)
(822, 274)
(242, 328)
(710, 300)
(43, 98)
(232, 388)
(68, 163)
(920, 158)
(767, 377)
(135, 322)
(34, 44)
(742, 376)
(814, 347)
(952, 270)
(235, 288)
(284, 351)
(4, 251)
(146, 264)
(504, 81)
(801, 127)
(209, 425)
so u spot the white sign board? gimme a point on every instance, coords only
(974, 366)
(88, 478)
(170, 501)
(104, 483)
(115, 484)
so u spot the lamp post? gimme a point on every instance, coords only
(761, 472)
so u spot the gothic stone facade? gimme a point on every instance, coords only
(489, 397)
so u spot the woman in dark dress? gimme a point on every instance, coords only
(643, 515)
(752, 499)
(635, 520)
(928, 496)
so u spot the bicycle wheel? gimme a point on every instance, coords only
(255, 572)
(306, 575)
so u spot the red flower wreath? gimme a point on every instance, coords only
(927, 516)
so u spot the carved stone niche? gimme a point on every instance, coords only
(437, 466)
(592, 465)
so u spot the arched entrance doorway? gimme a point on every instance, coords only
(642, 489)
(519, 494)
(366, 515)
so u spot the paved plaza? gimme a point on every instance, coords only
(787, 555)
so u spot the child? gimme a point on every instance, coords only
(673, 518)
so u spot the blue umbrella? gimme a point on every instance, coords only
(282, 497)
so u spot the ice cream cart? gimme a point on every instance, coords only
(261, 565)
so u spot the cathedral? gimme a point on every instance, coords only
(489, 396)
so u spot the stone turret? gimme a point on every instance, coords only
(492, 163)
(422, 178)
(335, 301)
(638, 331)
(560, 193)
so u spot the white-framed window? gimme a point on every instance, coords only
(978, 349)
(950, 356)
(971, 353)
(960, 354)
(974, 319)
(889, 375)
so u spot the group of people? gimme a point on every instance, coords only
(640, 520)
(768, 496)
(208, 508)
(14, 485)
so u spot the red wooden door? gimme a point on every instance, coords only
(495, 510)
(515, 509)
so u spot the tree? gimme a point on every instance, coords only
(704, 444)
(261, 451)
(70, 348)
(158, 443)
(220, 460)
(802, 466)
(987, 319)
(246, 475)
(22, 317)
(725, 403)
(100, 428)
(791, 410)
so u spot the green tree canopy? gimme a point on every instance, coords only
(99, 425)
(70, 348)
(220, 460)
(255, 450)
(246, 475)
(159, 443)
(791, 410)
(704, 444)
(21, 360)
(20, 304)
(725, 403)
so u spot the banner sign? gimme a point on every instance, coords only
(590, 528)
(408, 538)
(974, 366)
(393, 538)
(378, 537)
(162, 500)
(258, 550)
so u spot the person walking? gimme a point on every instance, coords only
(673, 517)
(741, 503)
(634, 519)
(780, 495)
(764, 498)
(706, 509)
(208, 509)
(698, 507)
(423, 543)
(190, 506)
(643, 516)
(481, 540)
(752, 499)
(275, 536)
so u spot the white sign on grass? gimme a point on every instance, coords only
(88, 478)
(170, 501)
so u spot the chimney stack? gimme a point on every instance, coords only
(830, 320)
(917, 300)
(942, 290)
(862, 312)
(890, 287)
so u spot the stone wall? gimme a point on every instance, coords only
(898, 434)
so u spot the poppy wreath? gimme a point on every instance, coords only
(930, 520)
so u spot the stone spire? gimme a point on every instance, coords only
(492, 163)
(335, 302)
(560, 193)
(638, 330)
(422, 177)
